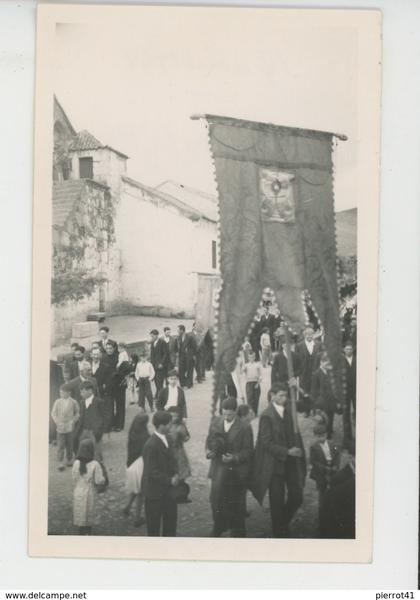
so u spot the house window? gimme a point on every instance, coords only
(213, 254)
(86, 167)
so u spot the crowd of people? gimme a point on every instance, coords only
(90, 391)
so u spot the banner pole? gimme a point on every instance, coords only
(291, 375)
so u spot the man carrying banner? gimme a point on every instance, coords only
(277, 232)
(280, 465)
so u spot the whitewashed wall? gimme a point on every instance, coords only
(161, 251)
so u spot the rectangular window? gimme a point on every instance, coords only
(86, 167)
(213, 254)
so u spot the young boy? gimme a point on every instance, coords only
(122, 353)
(65, 414)
(144, 375)
(246, 349)
(172, 395)
(325, 460)
(253, 374)
(265, 343)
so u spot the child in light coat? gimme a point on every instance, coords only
(65, 414)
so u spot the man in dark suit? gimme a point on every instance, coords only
(338, 510)
(230, 446)
(279, 370)
(90, 424)
(275, 324)
(268, 321)
(322, 392)
(350, 380)
(172, 395)
(159, 478)
(72, 366)
(105, 339)
(159, 357)
(199, 358)
(170, 342)
(101, 372)
(279, 461)
(308, 352)
(186, 349)
(324, 457)
(85, 375)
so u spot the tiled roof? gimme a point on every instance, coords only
(85, 141)
(65, 196)
(205, 203)
(346, 229)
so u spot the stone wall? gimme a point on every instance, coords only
(85, 234)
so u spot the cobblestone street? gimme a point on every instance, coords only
(193, 519)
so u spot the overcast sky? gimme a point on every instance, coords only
(134, 87)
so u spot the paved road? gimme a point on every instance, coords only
(194, 519)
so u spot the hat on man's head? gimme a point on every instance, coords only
(173, 373)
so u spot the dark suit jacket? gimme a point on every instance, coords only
(159, 354)
(76, 384)
(163, 399)
(350, 377)
(91, 419)
(108, 340)
(171, 352)
(322, 392)
(338, 511)
(308, 364)
(320, 472)
(238, 441)
(275, 438)
(103, 377)
(159, 468)
(186, 347)
(279, 372)
(71, 368)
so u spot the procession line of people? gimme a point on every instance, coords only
(92, 402)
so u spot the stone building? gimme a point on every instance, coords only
(150, 249)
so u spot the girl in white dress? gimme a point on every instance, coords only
(137, 437)
(87, 474)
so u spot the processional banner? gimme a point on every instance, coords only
(277, 230)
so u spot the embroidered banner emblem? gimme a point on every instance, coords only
(276, 194)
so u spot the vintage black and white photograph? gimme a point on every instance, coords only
(206, 177)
